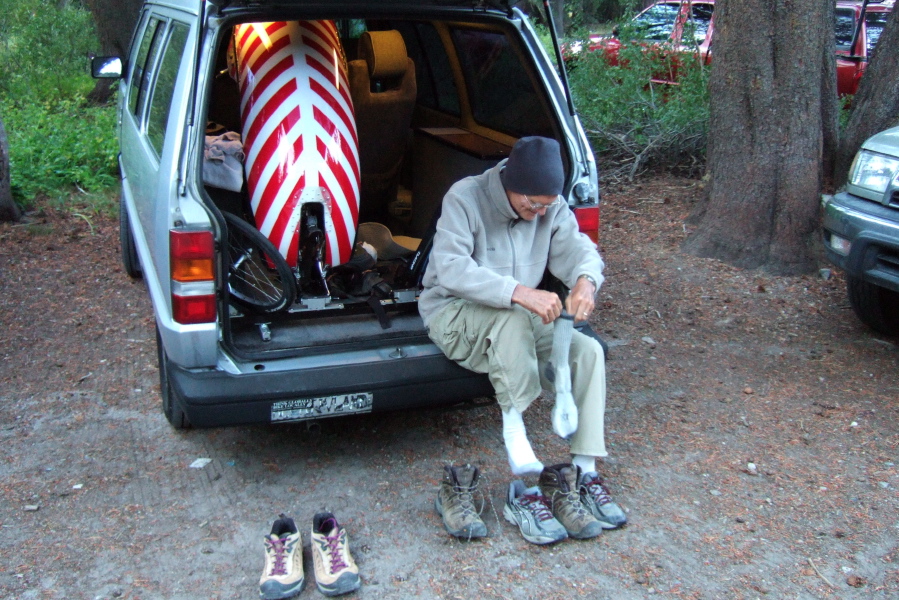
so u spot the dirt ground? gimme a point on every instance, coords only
(752, 423)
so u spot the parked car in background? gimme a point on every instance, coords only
(861, 232)
(688, 26)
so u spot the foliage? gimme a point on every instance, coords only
(45, 49)
(632, 122)
(57, 144)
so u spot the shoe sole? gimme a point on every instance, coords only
(346, 583)
(509, 514)
(283, 594)
(463, 533)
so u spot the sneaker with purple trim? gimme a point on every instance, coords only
(529, 509)
(283, 575)
(596, 497)
(336, 572)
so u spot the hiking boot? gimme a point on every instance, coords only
(559, 484)
(596, 497)
(336, 572)
(529, 509)
(455, 502)
(282, 576)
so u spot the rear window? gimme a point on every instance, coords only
(698, 24)
(657, 23)
(874, 24)
(501, 93)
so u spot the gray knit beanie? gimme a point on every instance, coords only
(534, 168)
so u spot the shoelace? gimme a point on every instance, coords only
(538, 505)
(276, 547)
(596, 488)
(466, 499)
(334, 541)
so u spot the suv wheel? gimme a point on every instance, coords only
(130, 260)
(877, 307)
(171, 408)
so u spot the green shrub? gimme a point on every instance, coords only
(58, 145)
(633, 123)
(45, 49)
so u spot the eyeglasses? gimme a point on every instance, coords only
(536, 206)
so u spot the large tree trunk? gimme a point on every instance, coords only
(115, 21)
(9, 211)
(765, 137)
(876, 105)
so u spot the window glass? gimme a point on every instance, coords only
(433, 75)
(500, 91)
(845, 27)
(657, 23)
(697, 26)
(874, 24)
(165, 86)
(140, 75)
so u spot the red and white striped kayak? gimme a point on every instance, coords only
(299, 132)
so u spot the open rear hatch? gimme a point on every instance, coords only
(334, 136)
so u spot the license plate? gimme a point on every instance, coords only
(304, 409)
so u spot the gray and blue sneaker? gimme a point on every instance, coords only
(529, 509)
(596, 497)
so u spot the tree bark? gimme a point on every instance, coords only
(115, 21)
(875, 106)
(9, 211)
(766, 134)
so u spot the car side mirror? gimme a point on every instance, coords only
(106, 67)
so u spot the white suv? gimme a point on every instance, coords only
(861, 232)
(283, 164)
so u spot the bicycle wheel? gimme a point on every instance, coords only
(258, 276)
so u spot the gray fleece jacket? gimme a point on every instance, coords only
(482, 249)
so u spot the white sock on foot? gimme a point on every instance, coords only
(522, 459)
(586, 463)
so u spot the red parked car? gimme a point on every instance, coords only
(689, 26)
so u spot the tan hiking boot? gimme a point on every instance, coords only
(336, 572)
(283, 575)
(455, 502)
(559, 483)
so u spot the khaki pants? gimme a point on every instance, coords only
(513, 346)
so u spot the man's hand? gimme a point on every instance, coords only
(580, 301)
(545, 305)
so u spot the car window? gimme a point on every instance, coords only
(433, 74)
(697, 27)
(874, 24)
(845, 27)
(140, 75)
(165, 86)
(501, 94)
(657, 22)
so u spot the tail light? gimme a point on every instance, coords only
(588, 221)
(192, 263)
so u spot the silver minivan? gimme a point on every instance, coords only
(283, 164)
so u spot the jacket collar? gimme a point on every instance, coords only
(497, 193)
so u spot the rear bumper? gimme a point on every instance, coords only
(212, 398)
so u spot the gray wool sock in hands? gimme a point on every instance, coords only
(565, 411)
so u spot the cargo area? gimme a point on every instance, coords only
(432, 102)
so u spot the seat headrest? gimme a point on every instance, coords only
(385, 53)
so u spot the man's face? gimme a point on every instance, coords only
(530, 207)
